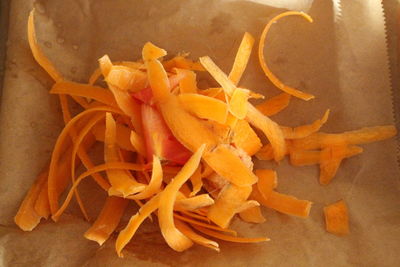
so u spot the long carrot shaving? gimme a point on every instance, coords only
(194, 203)
(205, 225)
(136, 220)
(108, 220)
(93, 92)
(123, 135)
(235, 239)
(42, 206)
(120, 181)
(197, 182)
(337, 218)
(195, 215)
(39, 56)
(226, 163)
(274, 104)
(357, 137)
(174, 238)
(26, 217)
(205, 107)
(187, 231)
(304, 130)
(271, 130)
(310, 157)
(77, 142)
(155, 183)
(263, 64)
(242, 58)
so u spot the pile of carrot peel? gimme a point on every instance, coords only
(182, 153)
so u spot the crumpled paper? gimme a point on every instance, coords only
(341, 58)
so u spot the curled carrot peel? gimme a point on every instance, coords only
(263, 64)
(175, 239)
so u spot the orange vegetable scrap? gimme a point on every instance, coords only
(337, 218)
(181, 153)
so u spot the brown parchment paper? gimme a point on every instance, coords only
(341, 58)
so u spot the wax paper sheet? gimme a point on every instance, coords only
(341, 58)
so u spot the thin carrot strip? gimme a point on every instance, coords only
(205, 225)
(274, 104)
(263, 64)
(242, 58)
(155, 182)
(108, 220)
(304, 130)
(271, 130)
(98, 168)
(42, 206)
(356, 137)
(174, 238)
(120, 180)
(123, 134)
(26, 217)
(77, 144)
(286, 204)
(193, 214)
(57, 151)
(136, 220)
(38, 54)
(187, 231)
(337, 218)
(227, 164)
(310, 157)
(193, 203)
(93, 92)
(230, 238)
